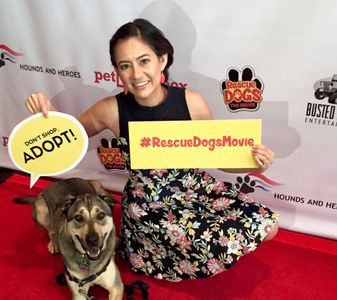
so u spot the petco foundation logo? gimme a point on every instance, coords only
(8, 55)
(323, 113)
(242, 90)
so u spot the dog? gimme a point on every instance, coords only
(78, 216)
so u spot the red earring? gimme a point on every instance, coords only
(125, 91)
(162, 77)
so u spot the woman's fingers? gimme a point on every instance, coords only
(263, 155)
(38, 102)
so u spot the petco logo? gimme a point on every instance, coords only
(108, 76)
(242, 90)
(8, 55)
(101, 77)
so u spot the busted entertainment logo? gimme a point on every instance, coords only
(323, 110)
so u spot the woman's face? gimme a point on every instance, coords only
(139, 69)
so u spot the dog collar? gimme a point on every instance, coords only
(86, 280)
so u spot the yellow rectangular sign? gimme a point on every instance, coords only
(194, 144)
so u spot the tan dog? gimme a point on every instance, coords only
(77, 214)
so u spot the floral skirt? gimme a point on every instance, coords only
(185, 224)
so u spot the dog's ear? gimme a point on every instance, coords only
(111, 201)
(68, 202)
(98, 187)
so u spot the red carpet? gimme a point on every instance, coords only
(292, 266)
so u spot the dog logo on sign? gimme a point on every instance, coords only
(242, 90)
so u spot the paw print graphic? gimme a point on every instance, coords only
(2, 62)
(247, 74)
(110, 155)
(245, 185)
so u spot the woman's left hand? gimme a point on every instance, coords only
(264, 156)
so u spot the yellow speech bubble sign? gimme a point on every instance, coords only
(194, 144)
(47, 146)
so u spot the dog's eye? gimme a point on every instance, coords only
(101, 216)
(79, 218)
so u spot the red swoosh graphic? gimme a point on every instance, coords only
(264, 178)
(10, 50)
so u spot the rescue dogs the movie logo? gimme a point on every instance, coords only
(242, 90)
(110, 155)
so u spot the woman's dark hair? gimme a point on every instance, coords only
(150, 34)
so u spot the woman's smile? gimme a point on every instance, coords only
(141, 84)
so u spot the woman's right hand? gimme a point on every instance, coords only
(39, 102)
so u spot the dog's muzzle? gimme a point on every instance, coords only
(93, 249)
(92, 245)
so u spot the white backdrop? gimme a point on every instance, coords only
(61, 48)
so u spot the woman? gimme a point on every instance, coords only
(176, 223)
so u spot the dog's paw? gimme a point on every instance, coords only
(245, 185)
(53, 249)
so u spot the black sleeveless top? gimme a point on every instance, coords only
(174, 107)
(182, 223)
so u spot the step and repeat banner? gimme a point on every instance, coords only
(269, 60)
